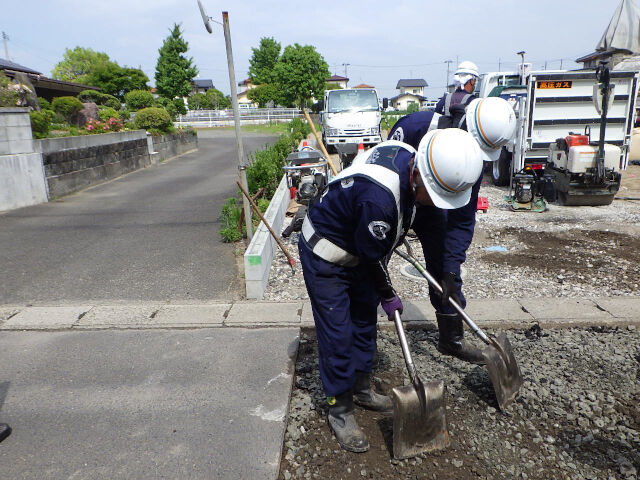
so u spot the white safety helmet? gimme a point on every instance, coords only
(492, 122)
(362, 157)
(450, 162)
(467, 68)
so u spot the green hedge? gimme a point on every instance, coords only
(154, 119)
(139, 99)
(67, 106)
(41, 123)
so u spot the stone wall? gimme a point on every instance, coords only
(173, 144)
(74, 163)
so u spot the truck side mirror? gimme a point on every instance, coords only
(385, 103)
(321, 104)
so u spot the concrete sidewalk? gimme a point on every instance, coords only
(490, 313)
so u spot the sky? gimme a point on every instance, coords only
(381, 42)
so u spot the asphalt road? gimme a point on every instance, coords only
(149, 235)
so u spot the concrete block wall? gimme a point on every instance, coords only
(15, 131)
(262, 249)
(74, 163)
(173, 144)
(21, 172)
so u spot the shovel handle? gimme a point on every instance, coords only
(413, 375)
(453, 303)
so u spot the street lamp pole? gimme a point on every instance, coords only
(242, 166)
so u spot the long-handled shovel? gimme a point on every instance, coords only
(419, 414)
(501, 362)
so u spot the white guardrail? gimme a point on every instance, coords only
(224, 118)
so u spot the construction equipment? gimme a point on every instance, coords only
(256, 210)
(549, 105)
(419, 413)
(500, 361)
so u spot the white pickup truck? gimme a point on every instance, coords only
(549, 106)
(350, 117)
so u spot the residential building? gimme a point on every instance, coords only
(415, 86)
(201, 85)
(243, 99)
(45, 87)
(338, 81)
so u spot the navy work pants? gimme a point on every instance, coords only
(344, 303)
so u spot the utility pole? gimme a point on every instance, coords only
(446, 83)
(5, 37)
(499, 64)
(345, 65)
(242, 166)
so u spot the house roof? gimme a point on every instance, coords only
(337, 78)
(419, 97)
(364, 85)
(245, 82)
(412, 82)
(203, 83)
(9, 65)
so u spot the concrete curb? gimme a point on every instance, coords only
(487, 313)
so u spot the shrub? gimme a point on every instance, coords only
(138, 99)
(153, 118)
(8, 96)
(412, 107)
(112, 102)
(44, 103)
(67, 106)
(96, 126)
(106, 113)
(41, 123)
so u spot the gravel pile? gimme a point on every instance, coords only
(577, 416)
(578, 413)
(563, 252)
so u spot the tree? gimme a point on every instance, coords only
(300, 74)
(199, 101)
(77, 64)
(116, 80)
(217, 99)
(263, 61)
(174, 72)
(263, 94)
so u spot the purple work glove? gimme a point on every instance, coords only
(390, 305)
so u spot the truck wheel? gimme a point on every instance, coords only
(500, 172)
(329, 148)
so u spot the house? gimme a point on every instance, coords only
(338, 81)
(243, 99)
(620, 40)
(364, 85)
(412, 85)
(402, 101)
(45, 87)
(201, 85)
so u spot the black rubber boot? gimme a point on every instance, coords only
(343, 424)
(364, 396)
(5, 431)
(450, 340)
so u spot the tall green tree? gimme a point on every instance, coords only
(77, 64)
(263, 94)
(217, 99)
(301, 74)
(174, 71)
(116, 80)
(263, 60)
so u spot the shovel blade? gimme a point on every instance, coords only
(419, 428)
(503, 370)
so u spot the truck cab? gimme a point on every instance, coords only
(350, 117)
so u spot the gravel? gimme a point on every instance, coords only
(577, 415)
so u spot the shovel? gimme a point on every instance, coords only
(419, 414)
(501, 363)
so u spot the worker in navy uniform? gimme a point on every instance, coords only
(347, 236)
(445, 235)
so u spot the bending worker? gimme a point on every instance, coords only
(348, 233)
(445, 235)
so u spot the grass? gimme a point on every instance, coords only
(266, 128)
